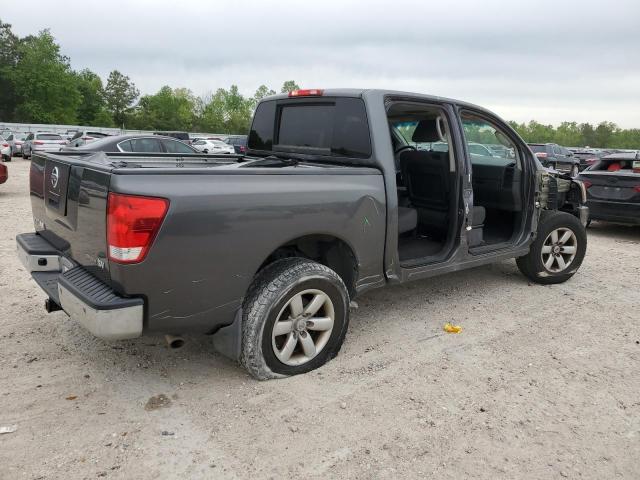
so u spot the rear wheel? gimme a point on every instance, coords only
(295, 318)
(557, 252)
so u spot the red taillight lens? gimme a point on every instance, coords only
(587, 183)
(637, 188)
(38, 142)
(88, 138)
(541, 154)
(310, 92)
(243, 148)
(132, 224)
(5, 145)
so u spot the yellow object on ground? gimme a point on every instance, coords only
(452, 328)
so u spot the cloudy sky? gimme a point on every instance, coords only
(547, 60)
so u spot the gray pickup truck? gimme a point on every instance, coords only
(340, 192)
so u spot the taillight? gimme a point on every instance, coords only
(310, 92)
(132, 224)
(38, 142)
(88, 138)
(587, 183)
(243, 148)
(5, 145)
(637, 188)
(541, 154)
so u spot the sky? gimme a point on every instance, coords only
(538, 59)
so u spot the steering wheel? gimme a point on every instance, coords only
(404, 147)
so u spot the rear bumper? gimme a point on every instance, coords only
(85, 298)
(616, 212)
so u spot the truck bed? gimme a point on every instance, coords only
(226, 214)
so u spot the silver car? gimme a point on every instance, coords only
(15, 141)
(5, 150)
(42, 142)
(213, 146)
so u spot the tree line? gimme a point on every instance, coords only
(38, 85)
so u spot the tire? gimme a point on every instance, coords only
(270, 300)
(533, 266)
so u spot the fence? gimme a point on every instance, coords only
(64, 129)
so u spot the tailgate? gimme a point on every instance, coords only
(69, 204)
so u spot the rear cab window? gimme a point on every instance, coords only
(319, 126)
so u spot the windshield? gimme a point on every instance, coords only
(48, 136)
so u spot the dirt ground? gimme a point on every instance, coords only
(543, 382)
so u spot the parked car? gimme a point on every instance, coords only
(268, 252)
(557, 157)
(588, 157)
(82, 137)
(213, 146)
(5, 150)
(70, 134)
(239, 143)
(613, 188)
(15, 141)
(183, 136)
(135, 143)
(4, 173)
(42, 142)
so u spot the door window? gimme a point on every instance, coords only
(174, 146)
(486, 143)
(148, 145)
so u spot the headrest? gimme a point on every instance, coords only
(426, 131)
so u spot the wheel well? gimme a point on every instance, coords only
(325, 249)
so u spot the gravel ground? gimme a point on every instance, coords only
(543, 382)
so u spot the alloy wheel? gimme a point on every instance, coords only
(559, 249)
(303, 327)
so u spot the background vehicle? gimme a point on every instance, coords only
(557, 157)
(588, 157)
(5, 150)
(82, 137)
(135, 143)
(267, 252)
(239, 143)
(613, 188)
(183, 136)
(69, 134)
(15, 141)
(213, 146)
(42, 142)
(4, 173)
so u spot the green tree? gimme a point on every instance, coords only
(226, 111)
(120, 93)
(93, 108)
(261, 92)
(8, 61)
(168, 109)
(45, 86)
(289, 86)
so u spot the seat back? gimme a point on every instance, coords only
(426, 175)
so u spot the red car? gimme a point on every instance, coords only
(4, 173)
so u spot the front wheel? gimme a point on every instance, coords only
(295, 318)
(558, 250)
